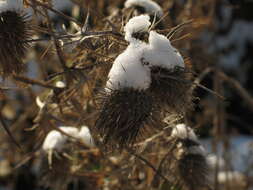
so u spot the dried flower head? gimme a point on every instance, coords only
(124, 116)
(172, 88)
(15, 31)
(127, 106)
(171, 79)
(191, 166)
(194, 171)
(137, 28)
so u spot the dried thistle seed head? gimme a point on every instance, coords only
(15, 31)
(172, 88)
(193, 170)
(137, 28)
(124, 116)
(191, 163)
(170, 78)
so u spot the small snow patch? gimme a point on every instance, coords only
(55, 140)
(149, 6)
(128, 69)
(183, 132)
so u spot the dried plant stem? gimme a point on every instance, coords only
(238, 87)
(198, 85)
(33, 82)
(56, 42)
(55, 11)
(218, 121)
(246, 96)
(177, 28)
(149, 165)
(87, 67)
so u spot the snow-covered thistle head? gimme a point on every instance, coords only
(128, 70)
(136, 28)
(161, 53)
(150, 72)
(170, 78)
(126, 107)
(15, 31)
(191, 165)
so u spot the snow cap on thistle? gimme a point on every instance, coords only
(15, 31)
(128, 70)
(161, 53)
(187, 139)
(170, 79)
(145, 6)
(126, 107)
(136, 25)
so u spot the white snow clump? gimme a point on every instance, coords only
(40, 104)
(136, 24)
(149, 6)
(128, 70)
(56, 140)
(181, 131)
(161, 53)
(60, 84)
(132, 68)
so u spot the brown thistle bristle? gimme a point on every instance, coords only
(172, 89)
(15, 30)
(123, 116)
(193, 170)
(143, 36)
